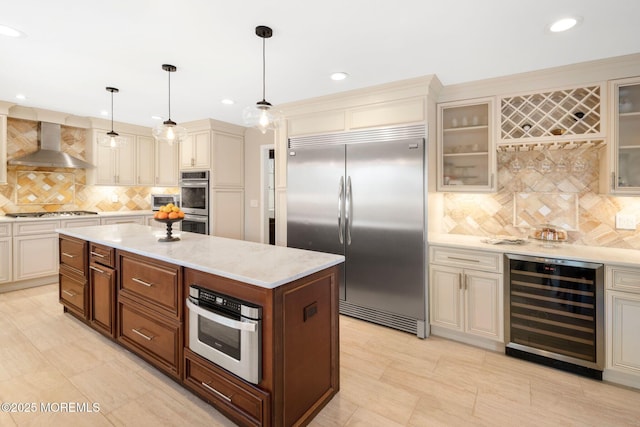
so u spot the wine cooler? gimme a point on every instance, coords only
(555, 313)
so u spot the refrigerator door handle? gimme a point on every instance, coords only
(348, 211)
(340, 209)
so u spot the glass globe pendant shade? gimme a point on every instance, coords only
(261, 116)
(112, 140)
(169, 132)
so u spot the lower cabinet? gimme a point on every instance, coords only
(102, 289)
(73, 285)
(35, 249)
(149, 315)
(73, 292)
(623, 317)
(6, 258)
(466, 293)
(155, 338)
(239, 401)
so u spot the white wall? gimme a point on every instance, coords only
(253, 140)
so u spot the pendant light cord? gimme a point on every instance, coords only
(264, 67)
(111, 111)
(169, 72)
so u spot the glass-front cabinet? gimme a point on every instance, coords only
(466, 149)
(625, 141)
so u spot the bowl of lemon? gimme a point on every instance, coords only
(169, 214)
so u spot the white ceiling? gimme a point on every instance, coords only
(75, 48)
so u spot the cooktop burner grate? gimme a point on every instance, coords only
(49, 214)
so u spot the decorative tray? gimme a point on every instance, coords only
(505, 240)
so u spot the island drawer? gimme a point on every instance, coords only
(102, 255)
(153, 337)
(240, 401)
(73, 294)
(465, 258)
(623, 279)
(73, 254)
(153, 283)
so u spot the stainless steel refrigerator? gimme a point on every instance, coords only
(361, 194)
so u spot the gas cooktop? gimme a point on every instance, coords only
(49, 214)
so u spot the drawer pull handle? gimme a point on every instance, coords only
(463, 259)
(68, 255)
(142, 282)
(71, 294)
(208, 387)
(146, 337)
(97, 254)
(96, 269)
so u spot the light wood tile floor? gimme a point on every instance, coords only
(388, 378)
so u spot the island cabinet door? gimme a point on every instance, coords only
(102, 286)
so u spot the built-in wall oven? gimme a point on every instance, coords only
(226, 331)
(194, 200)
(554, 312)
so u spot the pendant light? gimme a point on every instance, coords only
(261, 115)
(112, 139)
(169, 131)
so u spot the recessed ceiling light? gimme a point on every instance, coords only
(339, 76)
(227, 101)
(563, 24)
(156, 117)
(104, 113)
(10, 32)
(21, 96)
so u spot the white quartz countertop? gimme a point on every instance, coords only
(4, 218)
(258, 264)
(612, 256)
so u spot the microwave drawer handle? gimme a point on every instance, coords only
(243, 326)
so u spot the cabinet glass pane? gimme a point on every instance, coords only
(465, 146)
(466, 169)
(629, 136)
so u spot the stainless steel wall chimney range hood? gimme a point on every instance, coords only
(49, 153)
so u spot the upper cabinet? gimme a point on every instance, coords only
(568, 114)
(115, 166)
(466, 149)
(166, 165)
(195, 151)
(140, 161)
(625, 136)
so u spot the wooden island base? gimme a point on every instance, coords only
(140, 304)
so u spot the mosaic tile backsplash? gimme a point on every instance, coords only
(32, 189)
(553, 186)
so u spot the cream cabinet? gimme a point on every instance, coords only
(466, 294)
(622, 320)
(35, 249)
(116, 166)
(195, 151)
(6, 253)
(3, 148)
(166, 165)
(140, 161)
(145, 160)
(466, 148)
(625, 136)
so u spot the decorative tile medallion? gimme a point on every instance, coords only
(44, 188)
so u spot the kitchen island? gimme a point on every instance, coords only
(123, 282)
